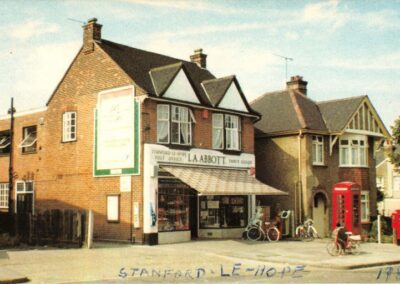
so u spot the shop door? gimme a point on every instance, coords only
(193, 216)
(320, 215)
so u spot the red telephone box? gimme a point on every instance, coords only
(346, 206)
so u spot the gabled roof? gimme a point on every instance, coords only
(162, 77)
(216, 88)
(337, 113)
(137, 64)
(287, 111)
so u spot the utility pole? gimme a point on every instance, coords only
(10, 166)
(286, 64)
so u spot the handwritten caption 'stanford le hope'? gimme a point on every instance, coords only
(234, 270)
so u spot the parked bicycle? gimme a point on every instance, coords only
(337, 247)
(306, 231)
(255, 232)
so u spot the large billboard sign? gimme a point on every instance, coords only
(116, 133)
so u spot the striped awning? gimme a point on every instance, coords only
(212, 181)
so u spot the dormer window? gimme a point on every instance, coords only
(226, 132)
(174, 124)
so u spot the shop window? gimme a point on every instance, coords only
(4, 195)
(174, 124)
(5, 143)
(226, 132)
(69, 126)
(28, 143)
(113, 208)
(364, 206)
(318, 150)
(223, 211)
(173, 205)
(353, 151)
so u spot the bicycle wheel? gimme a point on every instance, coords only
(333, 248)
(273, 234)
(254, 234)
(355, 248)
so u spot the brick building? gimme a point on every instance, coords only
(159, 149)
(305, 147)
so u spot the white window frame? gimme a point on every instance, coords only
(24, 190)
(356, 143)
(4, 195)
(380, 183)
(69, 126)
(233, 132)
(318, 150)
(25, 143)
(185, 117)
(218, 128)
(365, 210)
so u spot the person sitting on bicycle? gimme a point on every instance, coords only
(341, 236)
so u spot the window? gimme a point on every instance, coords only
(364, 206)
(226, 132)
(4, 195)
(5, 142)
(69, 126)
(318, 150)
(24, 196)
(380, 183)
(353, 151)
(173, 205)
(174, 125)
(28, 143)
(223, 211)
(113, 208)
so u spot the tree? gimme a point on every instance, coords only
(395, 153)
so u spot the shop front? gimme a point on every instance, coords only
(198, 194)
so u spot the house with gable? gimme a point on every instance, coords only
(305, 147)
(159, 148)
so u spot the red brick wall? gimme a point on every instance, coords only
(202, 129)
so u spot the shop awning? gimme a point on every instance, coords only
(212, 181)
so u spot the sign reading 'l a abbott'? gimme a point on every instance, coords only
(116, 140)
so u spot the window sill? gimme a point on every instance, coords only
(66, 142)
(320, 165)
(5, 155)
(353, 166)
(112, 222)
(28, 153)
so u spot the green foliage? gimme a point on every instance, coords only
(395, 153)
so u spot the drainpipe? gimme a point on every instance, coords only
(10, 165)
(299, 184)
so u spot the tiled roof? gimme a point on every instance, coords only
(216, 88)
(137, 64)
(338, 112)
(162, 77)
(287, 111)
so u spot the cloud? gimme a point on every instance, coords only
(389, 61)
(31, 28)
(325, 12)
(197, 6)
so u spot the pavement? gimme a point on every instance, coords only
(108, 262)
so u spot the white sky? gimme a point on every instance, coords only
(342, 49)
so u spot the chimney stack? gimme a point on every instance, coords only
(91, 33)
(199, 58)
(297, 83)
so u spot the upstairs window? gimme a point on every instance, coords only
(69, 126)
(353, 151)
(318, 150)
(174, 124)
(226, 132)
(28, 143)
(5, 142)
(364, 206)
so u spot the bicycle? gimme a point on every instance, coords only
(306, 231)
(335, 246)
(255, 232)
